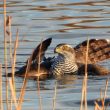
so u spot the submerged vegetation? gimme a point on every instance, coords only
(11, 85)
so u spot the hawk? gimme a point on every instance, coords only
(70, 60)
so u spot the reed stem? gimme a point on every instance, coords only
(1, 103)
(13, 93)
(14, 60)
(38, 82)
(5, 53)
(20, 100)
(84, 86)
(55, 94)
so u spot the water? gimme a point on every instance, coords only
(67, 21)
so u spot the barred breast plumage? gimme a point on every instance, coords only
(65, 61)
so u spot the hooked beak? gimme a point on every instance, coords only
(56, 50)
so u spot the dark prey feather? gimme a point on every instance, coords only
(40, 49)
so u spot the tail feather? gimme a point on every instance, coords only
(99, 50)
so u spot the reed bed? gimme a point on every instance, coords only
(12, 84)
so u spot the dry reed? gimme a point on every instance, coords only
(106, 87)
(1, 103)
(84, 86)
(97, 107)
(38, 72)
(14, 59)
(20, 100)
(10, 36)
(102, 99)
(5, 53)
(25, 81)
(13, 62)
(13, 93)
(101, 93)
(54, 98)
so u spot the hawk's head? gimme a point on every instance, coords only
(64, 49)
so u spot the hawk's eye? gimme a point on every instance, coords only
(63, 47)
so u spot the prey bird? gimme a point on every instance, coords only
(70, 60)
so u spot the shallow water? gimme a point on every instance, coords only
(69, 21)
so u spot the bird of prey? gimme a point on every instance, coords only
(70, 60)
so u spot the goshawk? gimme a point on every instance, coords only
(68, 61)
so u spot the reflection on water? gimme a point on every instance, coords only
(67, 21)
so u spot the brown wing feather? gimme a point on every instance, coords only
(41, 48)
(93, 69)
(98, 50)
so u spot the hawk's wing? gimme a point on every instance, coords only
(40, 49)
(98, 50)
(93, 69)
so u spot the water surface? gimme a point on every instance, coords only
(66, 21)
